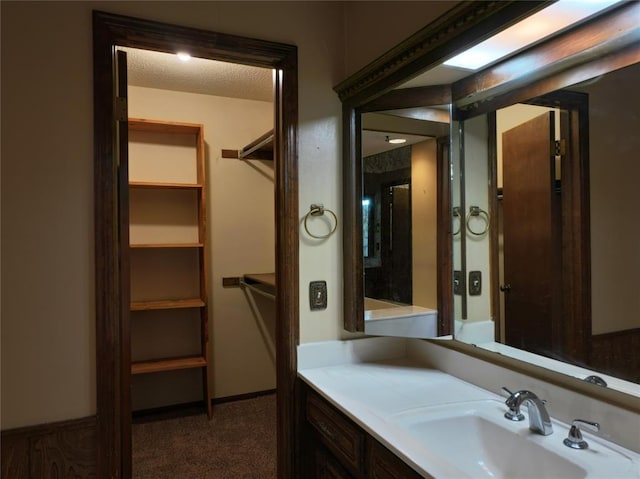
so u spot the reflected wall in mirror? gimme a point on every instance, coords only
(400, 177)
(607, 43)
(566, 153)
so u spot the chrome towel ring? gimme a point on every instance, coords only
(477, 212)
(319, 210)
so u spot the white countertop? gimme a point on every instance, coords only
(373, 380)
(371, 393)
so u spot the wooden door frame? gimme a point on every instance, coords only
(575, 332)
(113, 407)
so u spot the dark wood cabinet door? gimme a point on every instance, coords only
(327, 467)
(383, 464)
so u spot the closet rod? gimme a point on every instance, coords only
(257, 290)
(256, 145)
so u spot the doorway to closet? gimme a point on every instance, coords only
(200, 218)
(111, 192)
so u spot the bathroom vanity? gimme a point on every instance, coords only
(337, 447)
(381, 408)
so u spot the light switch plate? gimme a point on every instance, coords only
(475, 283)
(318, 295)
(458, 287)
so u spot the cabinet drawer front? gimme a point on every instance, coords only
(383, 464)
(343, 438)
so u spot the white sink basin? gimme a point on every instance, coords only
(477, 441)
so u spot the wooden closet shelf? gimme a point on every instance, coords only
(167, 304)
(168, 364)
(161, 126)
(166, 245)
(160, 184)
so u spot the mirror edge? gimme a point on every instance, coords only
(610, 396)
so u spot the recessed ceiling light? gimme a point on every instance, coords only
(546, 22)
(185, 57)
(395, 141)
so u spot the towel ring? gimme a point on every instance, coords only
(318, 210)
(476, 211)
(456, 214)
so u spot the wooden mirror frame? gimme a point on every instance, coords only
(470, 22)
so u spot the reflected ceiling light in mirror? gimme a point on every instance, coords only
(395, 141)
(374, 142)
(535, 28)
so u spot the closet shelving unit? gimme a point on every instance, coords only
(168, 231)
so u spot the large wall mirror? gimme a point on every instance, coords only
(535, 206)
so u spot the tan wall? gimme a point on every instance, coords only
(476, 166)
(241, 240)
(374, 27)
(424, 224)
(48, 330)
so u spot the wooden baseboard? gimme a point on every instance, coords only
(191, 408)
(239, 397)
(54, 450)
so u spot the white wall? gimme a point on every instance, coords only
(48, 323)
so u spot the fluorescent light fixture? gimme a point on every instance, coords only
(540, 25)
(185, 57)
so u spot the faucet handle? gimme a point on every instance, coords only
(597, 380)
(574, 439)
(513, 414)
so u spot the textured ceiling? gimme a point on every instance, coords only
(166, 71)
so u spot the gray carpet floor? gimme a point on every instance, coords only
(239, 442)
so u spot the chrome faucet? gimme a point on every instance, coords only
(539, 420)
